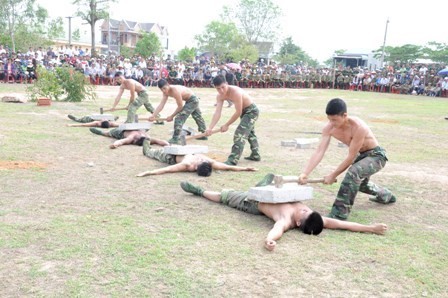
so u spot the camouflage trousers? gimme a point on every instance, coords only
(240, 201)
(357, 179)
(191, 107)
(142, 99)
(85, 119)
(245, 130)
(159, 155)
(116, 133)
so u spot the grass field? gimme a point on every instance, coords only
(76, 222)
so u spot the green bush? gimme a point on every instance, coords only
(46, 86)
(64, 83)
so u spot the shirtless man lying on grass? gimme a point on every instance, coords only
(127, 137)
(286, 216)
(199, 163)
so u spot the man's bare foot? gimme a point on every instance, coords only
(379, 229)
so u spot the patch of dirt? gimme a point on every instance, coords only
(391, 121)
(21, 165)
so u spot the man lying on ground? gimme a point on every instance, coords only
(84, 119)
(96, 123)
(127, 137)
(199, 163)
(285, 215)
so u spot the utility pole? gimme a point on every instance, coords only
(108, 28)
(384, 44)
(69, 30)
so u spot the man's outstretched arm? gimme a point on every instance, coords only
(220, 166)
(275, 233)
(331, 223)
(88, 124)
(169, 169)
(126, 141)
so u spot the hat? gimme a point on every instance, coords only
(17, 60)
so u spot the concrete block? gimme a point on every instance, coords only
(135, 126)
(304, 143)
(14, 99)
(290, 192)
(183, 150)
(103, 117)
(289, 143)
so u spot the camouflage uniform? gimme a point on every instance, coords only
(357, 179)
(142, 99)
(191, 106)
(245, 130)
(85, 119)
(117, 133)
(239, 200)
(158, 154)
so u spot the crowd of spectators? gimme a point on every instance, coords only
(418, 79)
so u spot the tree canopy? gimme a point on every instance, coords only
(92, 11)
(256, 20)
(26, 24)
(290, 53)
(218, 38)
(148, 44)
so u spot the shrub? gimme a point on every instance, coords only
(46, 86)
(63, 81)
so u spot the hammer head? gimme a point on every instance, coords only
(183, 140)
(101, 110)
(278, 181)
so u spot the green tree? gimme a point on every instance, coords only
(92, 11)
(290, 53)
(186, 54)
(407, 53)
(244, 50)
(257, 20)
(218, 38)
(55, 28)
(21, 16)
(76, 35)
(126, 51)
(148, 44)
(437, 52)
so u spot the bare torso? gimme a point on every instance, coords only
(285, 211)
(185, 92)
(127, 84)
(192, 160)
(235, 94)
(354, 126)
(134, 133)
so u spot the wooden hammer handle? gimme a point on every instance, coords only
(116, 109)
(200, 135)
(146, 118)
(315, 180)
